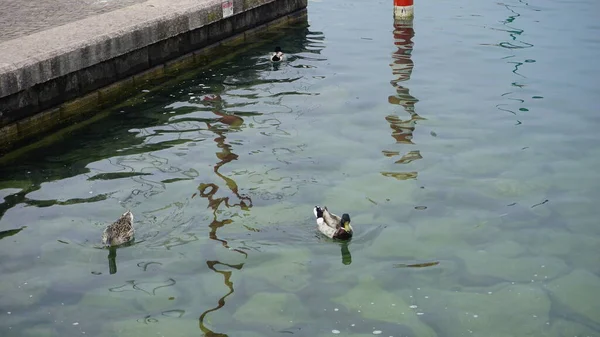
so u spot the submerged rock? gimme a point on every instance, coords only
(512, 189)
(506, 248)
(578, 250)
(584, 253)
(449, 233)
(561, 327)
(153, 325)
(277, 310)
(544, 242)
(517, 269)
(39, 331)
(478, 162)
(369, 192)
(23, 289)
(287, 271)
(579, 214)
(374, 303)
(514, 310)
(578, 291)
(398, 241)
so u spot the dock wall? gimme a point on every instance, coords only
(41, 72)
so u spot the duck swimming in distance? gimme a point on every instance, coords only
(331, 225)
(120, 231)
(277, 55)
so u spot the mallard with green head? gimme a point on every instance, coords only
(120, 231)
(331, 225)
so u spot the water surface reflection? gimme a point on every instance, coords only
(209, 190)
(516, 104)
(403, 129)
(224, 167)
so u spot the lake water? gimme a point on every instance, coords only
(465, 147)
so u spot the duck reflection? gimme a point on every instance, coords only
(209, 191)
(112, 256)
(403, 128)
(112, 260)
(345, 252)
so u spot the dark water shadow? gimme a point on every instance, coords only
(10, 232)
(125, 131)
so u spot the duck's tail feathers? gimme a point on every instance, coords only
(318, 212)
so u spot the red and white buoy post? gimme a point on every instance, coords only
(403, 9)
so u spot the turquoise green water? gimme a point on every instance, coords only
(464, 147)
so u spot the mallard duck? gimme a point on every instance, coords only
(332, 225)
(120, 231)
(277, 55)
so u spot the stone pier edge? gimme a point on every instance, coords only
(39, 128)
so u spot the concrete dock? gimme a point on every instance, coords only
(53, 53)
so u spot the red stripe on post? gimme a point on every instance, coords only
(403, 3)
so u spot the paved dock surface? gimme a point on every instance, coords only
(19, 18)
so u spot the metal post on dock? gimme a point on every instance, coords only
(403, 9)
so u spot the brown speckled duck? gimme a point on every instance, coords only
(331, 225)
(120, 231)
